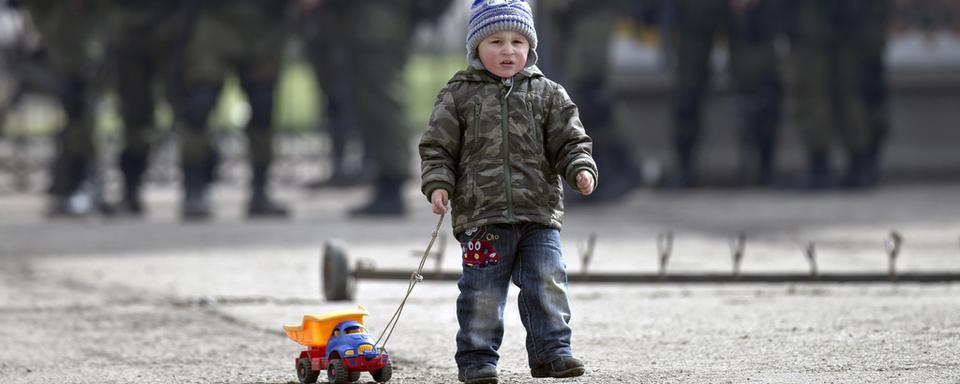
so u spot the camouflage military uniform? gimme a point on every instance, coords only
(753, 68)
(378, 39)
(324, 31)
(501, 148)
(837, 62)
(71, 35)
(574, 44)
(875, 92)
(145, 46)
(246, 36)
(381, 33)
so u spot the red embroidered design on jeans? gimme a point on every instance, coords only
(479, 253)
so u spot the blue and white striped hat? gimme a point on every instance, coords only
(490, 16)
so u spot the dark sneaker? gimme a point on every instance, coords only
(486, 374)
(563, 367)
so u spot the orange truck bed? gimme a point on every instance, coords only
(315, 329)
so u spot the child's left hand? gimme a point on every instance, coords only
(585, 182)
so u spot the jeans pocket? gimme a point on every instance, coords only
(478, 246)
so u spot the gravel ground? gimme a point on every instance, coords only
(153, 301)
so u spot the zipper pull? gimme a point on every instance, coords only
(508, 82)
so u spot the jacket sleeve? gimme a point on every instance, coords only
(440, 146)
(568, 146)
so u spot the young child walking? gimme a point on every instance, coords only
(500, 141)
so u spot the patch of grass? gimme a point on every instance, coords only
(426, 75)
(298, 98)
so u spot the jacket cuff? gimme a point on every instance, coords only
(579, 165)
(428, 188)
(572, 180)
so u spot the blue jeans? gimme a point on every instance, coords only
(493, 255)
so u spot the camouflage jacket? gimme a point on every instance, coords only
(500, 147)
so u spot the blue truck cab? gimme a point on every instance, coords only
(349, 341)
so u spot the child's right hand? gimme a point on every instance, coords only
(585, 182)
(439, 199)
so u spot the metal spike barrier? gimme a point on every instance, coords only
(339, 281)
(586, 253)
(702, 278)
(892, 245)
(811, 252)
(664, 249)
(437, 255)
(736, 252)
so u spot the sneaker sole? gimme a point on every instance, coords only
(572, 372)
(485, 380)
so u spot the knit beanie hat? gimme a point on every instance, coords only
(490, 16)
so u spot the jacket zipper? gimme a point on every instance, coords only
(506, 146)
(476, 125)
(537, 137)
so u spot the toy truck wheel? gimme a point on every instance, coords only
(383, 374)
(338, 282)
(353, 376)
(337, 373)
(305, 373)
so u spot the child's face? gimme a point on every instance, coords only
(504, 53)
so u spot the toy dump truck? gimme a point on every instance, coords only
(338, 343)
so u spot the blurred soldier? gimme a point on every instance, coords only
(145, 42)
(71, 38)
(750, 28)
(585, 27)
(324, 31)
(873, 86)
(377, 39)
(246, 36)
(837, 60)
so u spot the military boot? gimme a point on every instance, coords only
(757, 165)
(67, 195)
(196, 200)
(261, 205)
(862, 170)
(133, 166)
(686, 173)
(819, 175)
(387, 199)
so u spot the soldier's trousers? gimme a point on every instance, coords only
(838, 68)
(753, 68)
(380, 39)
(576, 51)
(144, 62)
(381, 111)
(235, 37)
(70, 35)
